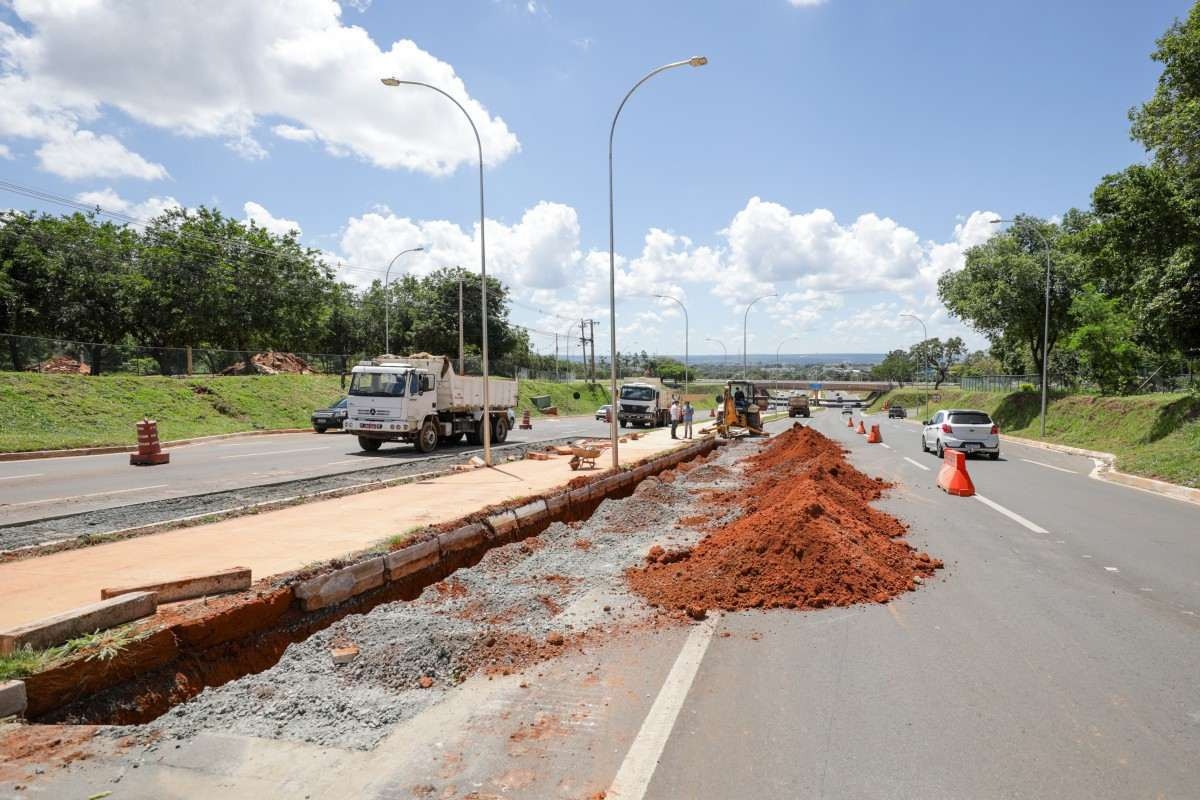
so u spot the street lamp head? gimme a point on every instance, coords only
(389, 81)
(999, 221)
(698, 61)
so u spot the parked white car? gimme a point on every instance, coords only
(963, 429)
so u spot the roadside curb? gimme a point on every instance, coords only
(32, 455)
(1105, 471)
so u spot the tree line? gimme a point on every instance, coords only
(198, 278)
(1124, 273)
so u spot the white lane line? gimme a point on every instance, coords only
(885, 444)
(916, 464)
(633, 778)
(348, 461)
(1014, 516)
(81, 496)
(274, 452)
(1049, 466)
(1111, 569)
(17, 477)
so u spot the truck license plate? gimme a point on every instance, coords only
(371, 426)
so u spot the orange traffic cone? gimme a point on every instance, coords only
(953, 477)
(861, 428)
(525, 425)
(874, 436)
(149, 449)
(849, 422)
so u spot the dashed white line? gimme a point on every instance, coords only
(885, 444)
(916, 464)
(1111, 569)
(1049, 466)
(1014, 516)
(16, 477)
(93, 494)
(633, 778)
(348, 461)
(273, 452)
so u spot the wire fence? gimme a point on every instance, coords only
(1151, 381)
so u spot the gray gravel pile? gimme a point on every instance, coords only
(107, 520)
(568, 580)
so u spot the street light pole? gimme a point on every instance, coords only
(925, 333)
(387, 305)
(724, 349)
(487, 407)
(745, 319)
(1045, 318)
(685, 338)
(781, 344)
(694, 61)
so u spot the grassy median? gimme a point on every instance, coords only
(1157, 435)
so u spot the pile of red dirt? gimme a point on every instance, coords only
(270, 363)
(62, 365)
(807, 538)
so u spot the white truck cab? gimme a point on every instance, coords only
(420, 400)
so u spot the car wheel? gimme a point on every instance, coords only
(370, 445)
(320, 428)
(994, 456)
(924, 444)
(500, 430)
(623, 423)
(941, 451)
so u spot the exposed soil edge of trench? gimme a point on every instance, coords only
(222, 639)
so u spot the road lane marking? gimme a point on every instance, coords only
(633, 778)
(81, 496)
(1049, 466)
(275, 452)
(916, 464)
(29, 475)
(1111, 569)
(1014, 516)
(359, 460)
(885, 444)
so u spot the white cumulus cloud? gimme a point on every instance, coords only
(84, 154)
(259, 215)
(223, 68)
(108, 200)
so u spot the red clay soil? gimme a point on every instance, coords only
(807, 538)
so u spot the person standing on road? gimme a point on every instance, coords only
(674, 417)
(688, 413)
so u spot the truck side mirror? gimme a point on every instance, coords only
(575, 395)
(720, 399)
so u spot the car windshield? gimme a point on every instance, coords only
(970, 418)
(377, 384)
(341, 403)
(637, 393)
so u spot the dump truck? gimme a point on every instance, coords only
(421, 400)
(643, 404)
(798, 406)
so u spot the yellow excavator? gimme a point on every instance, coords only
(741, 405)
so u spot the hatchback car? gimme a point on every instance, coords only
(602, 412)
(963, 429)
(325, 418)
(897, 412)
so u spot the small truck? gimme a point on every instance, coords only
(798, 406)
(643, 404)
(420, 400)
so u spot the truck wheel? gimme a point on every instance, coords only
(499, 429)
(427, 439)
(320, 428)
(624, 423)
(370, 445)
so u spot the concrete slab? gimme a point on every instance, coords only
(234, 579)
(333, 588)
(12, 698)
(49, 631)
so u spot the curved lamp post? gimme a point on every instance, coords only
(745, 319)
(724, 350)
(694, 61)
(685, 337)
(1046, 318)
(925, 333)
(781, 344)
(487, 407)
(387, 305)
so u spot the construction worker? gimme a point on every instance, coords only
(674, 417)
(688, 413)
(739, 398)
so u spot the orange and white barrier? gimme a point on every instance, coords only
(149, 450)
(861, 428)
(525, 425)
(953, 477)
(874, 437)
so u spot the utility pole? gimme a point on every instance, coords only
(460, 326)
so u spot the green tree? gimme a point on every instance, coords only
(937, 355)
(1102, 340)
(1169, 123)
(896, 366)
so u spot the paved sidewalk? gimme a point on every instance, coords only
(278, 541)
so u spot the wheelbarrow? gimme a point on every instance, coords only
(584, 457)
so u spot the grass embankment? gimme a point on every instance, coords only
(1155, 435)
(46, 412)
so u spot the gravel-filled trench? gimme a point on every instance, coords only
(523, 602)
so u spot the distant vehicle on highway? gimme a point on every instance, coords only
(797, 406)
(602, 411)
(333, 417)
(847, 410)
(897, 412)
(969, 430)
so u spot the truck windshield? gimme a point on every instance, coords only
(637, 393)
(377, 384)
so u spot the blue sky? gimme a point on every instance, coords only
(842, 154)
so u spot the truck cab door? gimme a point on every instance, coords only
(422, 397)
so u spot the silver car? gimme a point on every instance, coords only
(965, 429)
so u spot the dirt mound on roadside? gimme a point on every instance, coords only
(61, 365)
(270, 363)
(807, 538)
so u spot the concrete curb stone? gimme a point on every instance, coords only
(50, 631)
(334, 587)
(12, 698)
(412, 559)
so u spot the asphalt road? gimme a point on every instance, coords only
(39, 488)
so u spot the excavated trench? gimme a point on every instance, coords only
(788, 524)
